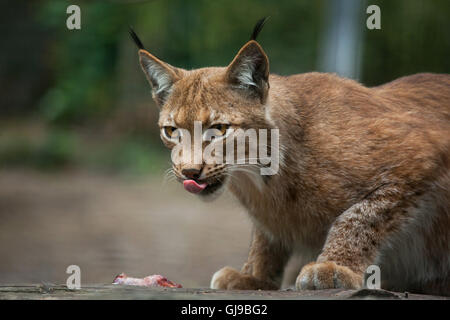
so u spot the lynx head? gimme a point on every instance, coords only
(220, 100)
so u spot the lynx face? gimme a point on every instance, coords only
(218, 101)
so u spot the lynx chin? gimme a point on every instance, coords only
(363, 173)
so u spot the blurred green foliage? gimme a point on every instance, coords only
(55, 151)
(414, 38)
(64, 149)
(93, 80)
(84, 61)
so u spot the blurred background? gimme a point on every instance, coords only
(81, 163)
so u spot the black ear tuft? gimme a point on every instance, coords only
(258, 27)
(136, 39)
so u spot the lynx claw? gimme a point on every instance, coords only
(327, 275)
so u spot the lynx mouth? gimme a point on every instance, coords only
(202, 189)
(193, 187)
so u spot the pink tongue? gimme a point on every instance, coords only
(194, 187)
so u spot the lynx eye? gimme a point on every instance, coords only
(220, 129)
(171, 132)
(216, 130)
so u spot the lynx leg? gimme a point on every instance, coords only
(354, 240)
(263, 269)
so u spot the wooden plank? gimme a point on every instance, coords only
(102, 292)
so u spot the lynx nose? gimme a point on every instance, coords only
(191, 173)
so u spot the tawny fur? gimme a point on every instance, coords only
(364, 176)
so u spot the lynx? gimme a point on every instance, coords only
(363, 179)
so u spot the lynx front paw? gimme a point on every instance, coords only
(327, 275)
(228, 278)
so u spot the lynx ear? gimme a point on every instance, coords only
(161, 75)
(249, 70)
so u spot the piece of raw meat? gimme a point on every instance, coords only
(155, 280)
